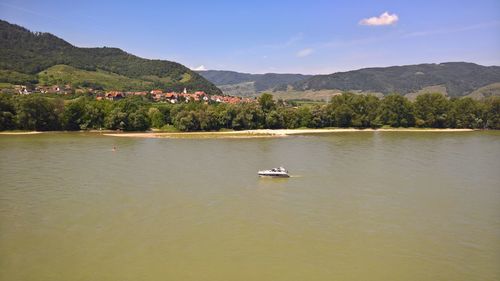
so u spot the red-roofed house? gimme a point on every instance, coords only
(114, 95)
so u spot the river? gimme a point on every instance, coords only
(359, 206)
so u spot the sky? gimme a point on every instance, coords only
(309, 37)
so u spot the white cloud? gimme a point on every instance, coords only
(199, 68)
(304, 53)
(383, 19)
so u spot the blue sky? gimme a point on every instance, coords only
(275, 36)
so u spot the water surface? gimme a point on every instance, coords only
(359, 206)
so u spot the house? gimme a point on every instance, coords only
(55, 89)
(171, 97)
(24, 91)
(216, 98)
(42, 89)
(157, 95)
(114, 95)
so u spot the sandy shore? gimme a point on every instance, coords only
(20, 133)
(262, 133)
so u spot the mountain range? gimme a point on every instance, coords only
(231, 81)
(44, 59)
(454, 79)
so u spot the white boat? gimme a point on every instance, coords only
(275, 173)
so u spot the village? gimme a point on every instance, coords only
(174, 97)
(155, 95)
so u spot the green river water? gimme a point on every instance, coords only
(359, 206)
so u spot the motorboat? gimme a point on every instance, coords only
(275, 173)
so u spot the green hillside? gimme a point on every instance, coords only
(458, 78)
(29, 53)
(261, 82)
(452, 78)
(64, 74)
(486, 91)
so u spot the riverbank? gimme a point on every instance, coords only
(20, 133)
(259, 133)
(263, 133)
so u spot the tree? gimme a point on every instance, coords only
(7, 113)
(209, 120)
(396, 111)
(432, 110)
(225, 115)
(137, 121)
(166, 112)
(274, 120)
(37, 113)
(340, 111)
(291, 119)
(305, 116)
(73, 115)
(116, 120)
(156, 117)
(492, 108)
(343, 115)
(320, 117)
(365, 109)
(248, 116)
(187, 121)
(354, 110)
(94, 116)
(266, 102)
(466, 113)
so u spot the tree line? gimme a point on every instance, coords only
(38, 112)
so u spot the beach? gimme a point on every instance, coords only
(262, 133)
(258, 133)
(20, 133)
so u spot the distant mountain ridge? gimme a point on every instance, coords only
(42, 58)
(261, 82)
(23, 52)
(452, 78)
(459, 78)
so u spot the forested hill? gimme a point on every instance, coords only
(458, 78)
(261, 81)
(24, 55)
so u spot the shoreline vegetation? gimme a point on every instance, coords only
(258, 133)
(140, 114)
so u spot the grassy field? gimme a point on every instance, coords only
(486, 91)
(64, 74)
(6, 85)
(14, 77)
(431, 89)
(320, 95)
(301, 102)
